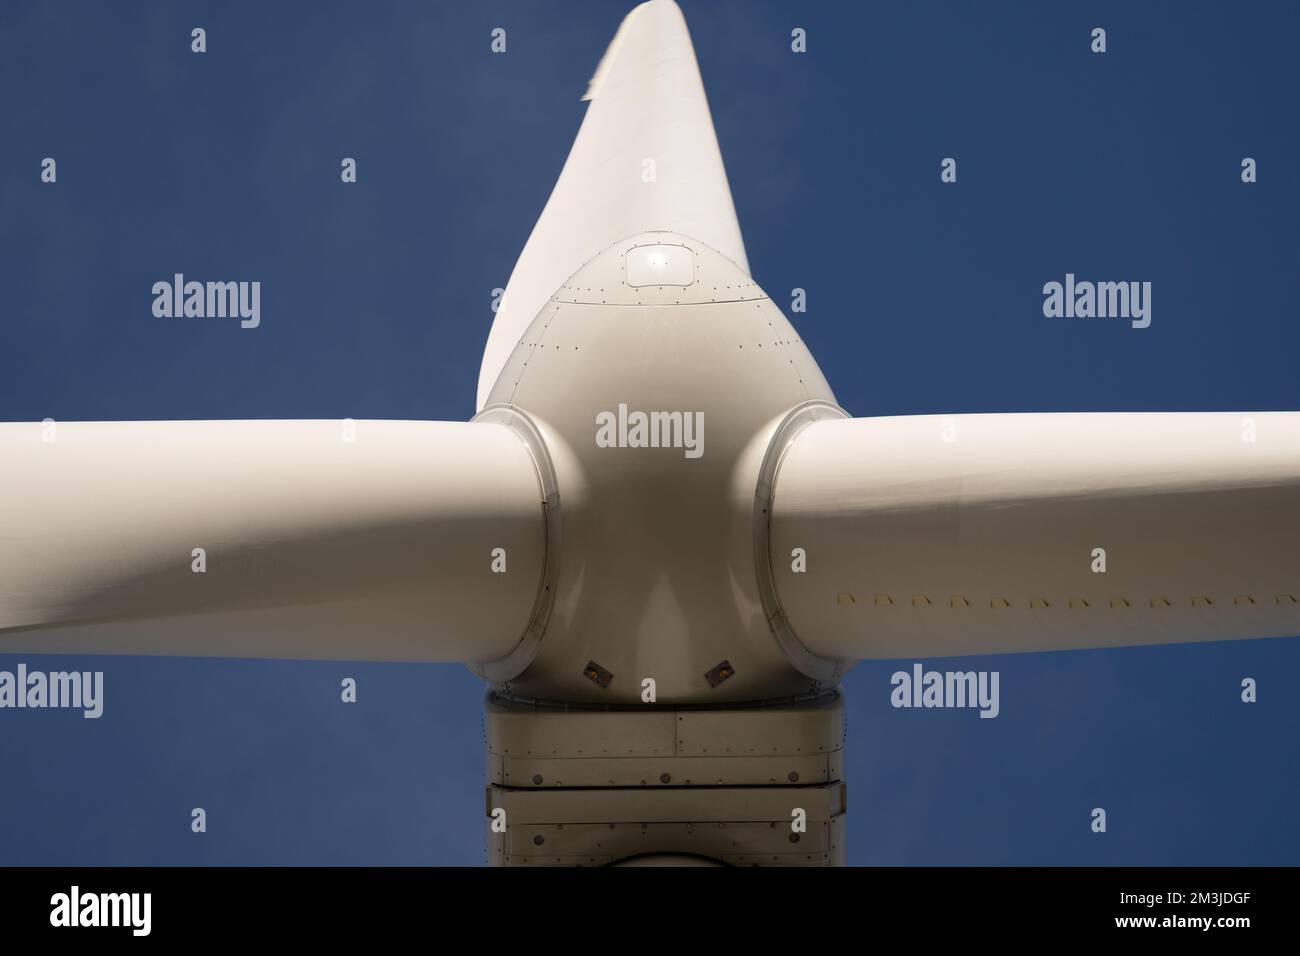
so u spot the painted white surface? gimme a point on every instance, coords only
(656, 564)
(647, 103)
(376, 549)
(970, 511)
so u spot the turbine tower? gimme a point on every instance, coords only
(660, 541)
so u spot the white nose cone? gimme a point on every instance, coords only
(655, 375)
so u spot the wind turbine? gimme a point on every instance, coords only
(660, 540)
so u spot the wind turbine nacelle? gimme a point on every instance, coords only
(656, 377)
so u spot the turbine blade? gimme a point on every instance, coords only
(268, 539)
(975, 534)
(646, 158)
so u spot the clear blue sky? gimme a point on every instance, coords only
(922, 297)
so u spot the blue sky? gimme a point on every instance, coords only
(922, 297)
